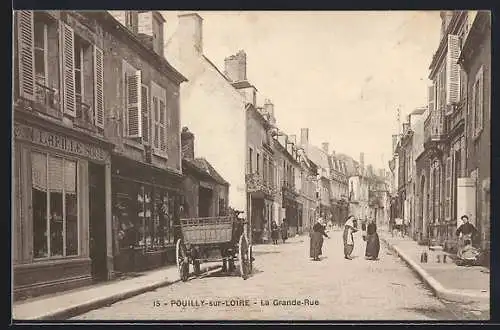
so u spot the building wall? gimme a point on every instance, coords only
(478, 149)
(116, 51)
(207, 94)
(53, 150)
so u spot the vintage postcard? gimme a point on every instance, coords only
(251, 165)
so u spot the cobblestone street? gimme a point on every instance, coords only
(334, 288)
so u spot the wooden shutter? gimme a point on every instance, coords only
(98, 87)
(163, 128)
(145, 114)
(134, 114)
(431, 97)
(452, 70)
(25, 31)
(68, 64)
(480, 110)
(155, 120)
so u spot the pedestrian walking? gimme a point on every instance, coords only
(349, 229)
(284, 230)
(274, 232)
(372, 241)
(316, 240)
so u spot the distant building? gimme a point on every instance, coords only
(205, 190)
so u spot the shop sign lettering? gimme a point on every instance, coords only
(59, 142)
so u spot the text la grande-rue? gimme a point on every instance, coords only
(289, 302)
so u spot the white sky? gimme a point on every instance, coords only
(342, 74)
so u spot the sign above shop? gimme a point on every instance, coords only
(59, 142)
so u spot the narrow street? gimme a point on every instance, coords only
(331, 289)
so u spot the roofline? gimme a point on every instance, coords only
(107, 19)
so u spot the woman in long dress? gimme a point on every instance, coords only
(372, 242)
(274, 232)
(348, 238)
(317, 233)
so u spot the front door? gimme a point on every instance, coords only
(97, 222)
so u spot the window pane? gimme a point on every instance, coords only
(39, 201)
(39, 34)
(56, 205)
(78, 83)
(40, 66)
(71, 208)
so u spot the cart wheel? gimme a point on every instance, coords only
(196, 267)
(184, 271)
(182, 260)
(243, 256)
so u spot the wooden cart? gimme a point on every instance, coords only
(201, 237)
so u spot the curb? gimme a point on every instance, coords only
(86, 307)
(437, 288)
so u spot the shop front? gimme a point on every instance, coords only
(146, 206)
(61, 235)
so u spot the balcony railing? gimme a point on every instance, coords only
(255, 183)
(457, 117)
(434, 126)
(46, 100)
(84, 116)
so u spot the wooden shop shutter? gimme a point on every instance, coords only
(25, 28)
(448, 187)
(134, 100)
(98, 87)
(452, 70)
(68, 61)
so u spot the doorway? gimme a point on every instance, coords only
(204, 202)
(97, 222)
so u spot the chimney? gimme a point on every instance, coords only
(304, 136)
(190, 30)
(293, 139)
(187, 143)
(325, 146)
(150, 28)
(333, 152)
(128, 18)
(362, 159)
(269, 109)
(236, 67)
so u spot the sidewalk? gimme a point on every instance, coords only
(67, 304)
(447, 280)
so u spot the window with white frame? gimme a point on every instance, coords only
(478, 102)
(40, 51)
(55, 206)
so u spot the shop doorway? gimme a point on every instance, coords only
(97, 222)
(204, 202)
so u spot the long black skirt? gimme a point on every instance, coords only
(316, 245)
(372, 246)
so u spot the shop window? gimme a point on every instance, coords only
(55, 206)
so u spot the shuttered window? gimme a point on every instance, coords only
(25, 28)
(478, 102)
(134, 102)
(163, 126)
(98, 87)
(159, 119)
(68, 61)
(452, 70)
(145, 114)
